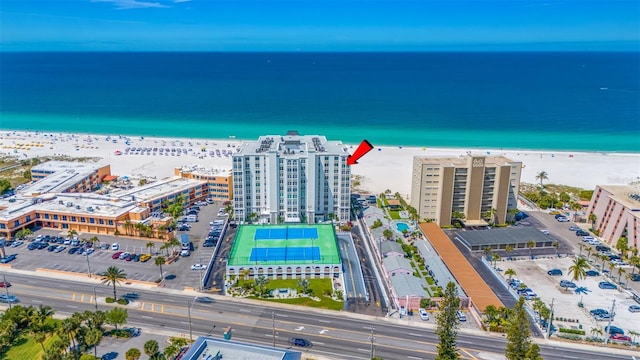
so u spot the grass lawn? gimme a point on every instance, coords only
(395, 214)
(319, 287)
(26, 348)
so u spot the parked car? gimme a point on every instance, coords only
(423, 314)
(603, 317)
(7, 259)
(5, 284)
(17, 243)
(208, 244)
(104, 246)
(116, 255)
(632, 308)
(592, 273)
(555, 272)
(115, 246)
(607, 285)
(461, 316)
(635, 277)
(574, 228)
(300, 342)
(612, 330)
(620, 337)
(51, 247)
(60, 248)
(123, 256)
(582, 233)
(145, 257)
(131, 296)
(198, 267)
(568, 284)
(563, 219)
(32, 246)
(73, 250)
(598, 312)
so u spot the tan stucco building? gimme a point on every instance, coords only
(617, 209)
(471, 185)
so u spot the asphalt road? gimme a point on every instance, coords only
(334, 334)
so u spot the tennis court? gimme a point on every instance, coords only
(284, 244)
(285, 234)
(285, 254)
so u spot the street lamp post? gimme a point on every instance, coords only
(88, 266)
(189, 305)
(373, 348)
(6, 288)
(95, 297)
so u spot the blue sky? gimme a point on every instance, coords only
(307, 25)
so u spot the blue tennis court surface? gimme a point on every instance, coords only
(284, 233)
(285, 254)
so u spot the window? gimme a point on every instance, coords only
(92, 221)
(64, 217)
(55, 217)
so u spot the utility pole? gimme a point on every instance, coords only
(6, 288)
(373, 349)
(273, 327)
(608, 329)
(189, 313)
(550, 322)
(95, 297)
(88, 266)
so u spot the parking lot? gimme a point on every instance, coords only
(101, 259)
(565, 301)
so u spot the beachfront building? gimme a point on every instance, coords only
(219, 182)
(66, 177)
(215, 349)
(292, 178)
(617, 212)
(471, 188)
(52, 202)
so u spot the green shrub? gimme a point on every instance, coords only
(430, 280)
(572, 331)
(109, 300)
(123, 301)
(569, 336)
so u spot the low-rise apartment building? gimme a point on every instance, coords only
(219, 182)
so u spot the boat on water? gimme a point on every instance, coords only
(604, 88)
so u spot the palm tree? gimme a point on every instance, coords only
(159, 261)
(113, 276)
(173, 243)
(42, 314)
(151, 347)
(542, 176)
(72, 233)
(578, 269)
(304, 284)
(604, 259)
(495, 258)
(589, 251)
(92, 338)
(487, 251)
(556, 245)
(70, 326)
(531, 244)
(171, 351)
(510, 272)
(150, 245)
(39, 336)
(508, 250)
(635, 262)
(620, 272)
(633, 335)
(94, 240)
(596, 331)
(132, 354)
(592, 219)
(128, 226)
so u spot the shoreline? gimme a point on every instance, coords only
(575, 168)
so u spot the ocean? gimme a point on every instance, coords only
(588, 101)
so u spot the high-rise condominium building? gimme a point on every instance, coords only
(475, 187)
(291, 178)
(617, 214)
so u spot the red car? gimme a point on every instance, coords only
(620, 337)
(4, 284)
(116, 255)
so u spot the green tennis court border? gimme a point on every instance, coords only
(244, 241)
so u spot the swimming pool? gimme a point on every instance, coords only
(402, 226)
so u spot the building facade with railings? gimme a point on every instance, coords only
(472, 185)
(292, 178)
(617, 211)
(219, 181)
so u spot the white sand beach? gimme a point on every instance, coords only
(383, 168)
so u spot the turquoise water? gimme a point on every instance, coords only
(555, 101)
(402, 226)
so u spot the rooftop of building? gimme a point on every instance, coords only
(626, 195)
(408, 285)
(502, 236)
(205, 347)
(388, 246)
(463, 160)
(67, 203)
(204, 171)
(61, 176)
(392, 263)
(157, 189)
(292, 144)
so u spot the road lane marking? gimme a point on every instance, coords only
(72, 306)
(413, 357)
(361, 349)
(418, 335)
(284, 316)
(146, 317)
(325, 321)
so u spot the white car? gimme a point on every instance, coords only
(423, 314)
(115, 246)
(198, 267)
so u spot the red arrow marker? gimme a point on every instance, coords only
(362, 149)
